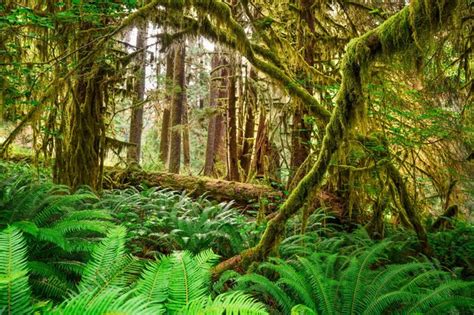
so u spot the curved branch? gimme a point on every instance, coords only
(394, 35)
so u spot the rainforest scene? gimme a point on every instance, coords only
(300, 157)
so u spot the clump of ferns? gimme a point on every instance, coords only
(332, 283)
(161, 220)
(60, 227)
(115, 282)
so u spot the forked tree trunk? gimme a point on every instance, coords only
(174, 160)
(136, 119)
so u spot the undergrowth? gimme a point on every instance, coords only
(151, 251)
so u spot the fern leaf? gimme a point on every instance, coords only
(15, 291)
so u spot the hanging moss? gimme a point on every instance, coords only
(359, 54)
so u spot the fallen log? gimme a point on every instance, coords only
(243, 194)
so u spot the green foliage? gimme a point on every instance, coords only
(15, 292)
(328, 283)
(60, 228)
(160, 221)
(454, 248)
(174, 284)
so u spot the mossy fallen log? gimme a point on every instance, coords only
(243, 194)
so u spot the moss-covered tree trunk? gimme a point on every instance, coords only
(216, 149)
(165, 123)
(174, 159)
(211, 129)
(186, 141)
(249, 130)
(80, 156)
(396, 34)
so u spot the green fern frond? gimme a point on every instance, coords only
(293, 279)
(438, 295)
(111, 301)
(301, 309)
(190, 281)
(355, 279)
(234, 303)
(15, 291)
(265, 286)
(89, 215)
(458, 302)
(56, 204)
(322, 287)
(105, 256)
(154, 283)
(70, 266)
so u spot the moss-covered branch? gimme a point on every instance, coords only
(393, 36)
(216, 23)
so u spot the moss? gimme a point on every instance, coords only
(360, 52)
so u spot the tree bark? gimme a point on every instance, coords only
(165, 124)
(136, 119)
(216, 149)
(186, 143)
(211, 130)
(394, 35)
(80, 155)
(249, 131)
(233, 171)
(174, 160)
(221, 190)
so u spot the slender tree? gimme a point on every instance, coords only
(165, 123)
(174, 159)
(136, 120)
(233, 167)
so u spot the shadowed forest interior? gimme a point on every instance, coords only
(236, 157)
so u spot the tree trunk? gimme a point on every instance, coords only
(136, 120)
(211, 130)
(216, 149)
(165, 124)
(81, 153)
(220, 190)
(186, 144)
(421, 17)
(300, 139)
(249, 131)
(233, 170)
(174, 160)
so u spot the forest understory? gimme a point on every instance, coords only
(236, 157)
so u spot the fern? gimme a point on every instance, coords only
(15, 294)
(110, 301)
(236, 303)
(110, 266)
(354, 286)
